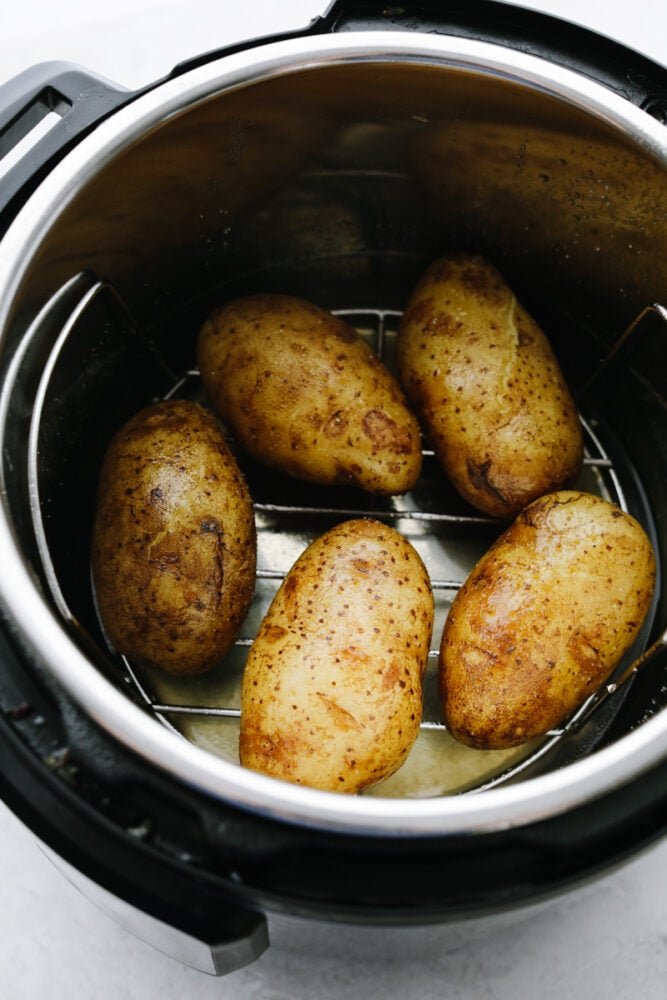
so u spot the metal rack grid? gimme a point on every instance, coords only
(379, 327)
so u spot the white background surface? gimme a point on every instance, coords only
(606, 941)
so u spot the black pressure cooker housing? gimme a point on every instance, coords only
(212, 867)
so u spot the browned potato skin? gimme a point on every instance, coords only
(303, 393)
(487, 388)
(174, 545)
(543, 619)
(332, 694)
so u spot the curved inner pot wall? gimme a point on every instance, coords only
(339, 170)
(340, 182)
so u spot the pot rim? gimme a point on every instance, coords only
(37, 627)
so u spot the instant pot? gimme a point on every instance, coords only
(334, 163)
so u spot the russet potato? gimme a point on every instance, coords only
(487, 387)
(174, 544)
(304, 393)
(543, 619)
(332, 688)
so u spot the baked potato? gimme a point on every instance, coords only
(174, 544)
(304, 393)
(332, 688)
(543, 619)
(487, 388)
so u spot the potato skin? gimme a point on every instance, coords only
(487, 388)
(543, 619)
(174, 544)
(303, 393)
(332, 694)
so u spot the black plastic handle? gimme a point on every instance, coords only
(139, 862)
(74, 98)
(626, 71)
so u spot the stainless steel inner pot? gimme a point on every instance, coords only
(335, 168)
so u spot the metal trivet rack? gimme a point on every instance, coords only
(448, 534)
(309, 509)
